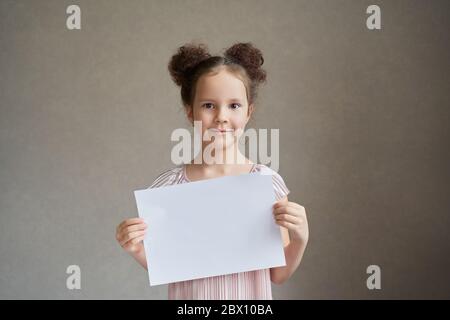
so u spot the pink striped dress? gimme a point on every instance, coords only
(251, 285)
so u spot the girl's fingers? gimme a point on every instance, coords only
(129, 222)
(134, 242)
(287, 218)
(135, 234)
(285, 224)
(283, 204)
(127, 235)
(132, 228)
(122, 228)
(280, 203)
(138, 239)
(131, 236)
(283, 210)
(289, 210)
(279, 210)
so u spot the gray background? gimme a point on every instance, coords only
(86, 117)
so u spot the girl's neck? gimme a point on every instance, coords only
(229, 167)
(221, 160)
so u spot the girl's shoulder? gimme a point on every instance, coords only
(281, 190)
(263, 169)
(169, 177)
(176, 175)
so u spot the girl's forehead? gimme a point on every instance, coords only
(222, 83)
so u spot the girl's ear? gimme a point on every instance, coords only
(251, 108)
(190, 113)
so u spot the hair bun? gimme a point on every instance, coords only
(187, 57)
(250, 58)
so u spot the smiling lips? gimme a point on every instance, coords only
(221, 130)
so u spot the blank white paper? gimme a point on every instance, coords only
(210, 227)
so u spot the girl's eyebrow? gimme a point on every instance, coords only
(230, 100)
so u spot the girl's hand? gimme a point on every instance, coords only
(292, 216)
(130, 234)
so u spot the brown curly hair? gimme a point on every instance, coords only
(194, 60)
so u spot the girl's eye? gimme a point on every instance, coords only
(233, 106)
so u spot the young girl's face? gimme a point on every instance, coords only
(221, 105)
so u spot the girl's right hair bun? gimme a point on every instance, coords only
(187, 58)
(250, 58)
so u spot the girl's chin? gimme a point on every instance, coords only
(228, 137)
(211, 133)
(220, 144)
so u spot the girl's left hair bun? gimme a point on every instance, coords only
(250, 57)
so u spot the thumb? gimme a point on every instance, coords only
(280, 202)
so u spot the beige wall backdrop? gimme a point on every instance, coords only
(86, 117)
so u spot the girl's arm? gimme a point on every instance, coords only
(291, 217)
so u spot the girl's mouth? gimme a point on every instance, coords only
(221, 131)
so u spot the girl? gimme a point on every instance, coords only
(220, 92)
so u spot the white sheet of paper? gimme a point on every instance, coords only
(210, 227)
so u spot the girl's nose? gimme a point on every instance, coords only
(221, 115)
